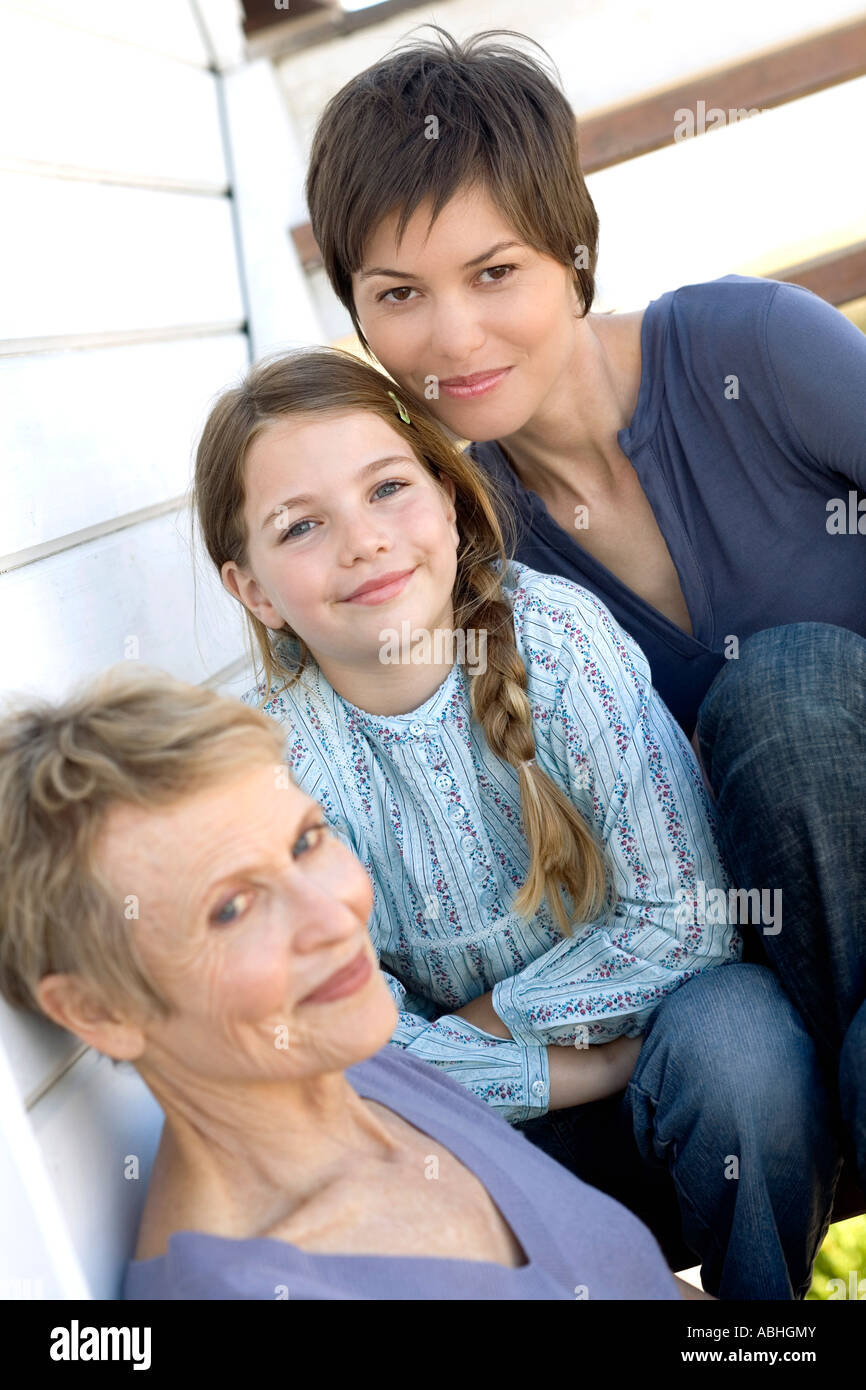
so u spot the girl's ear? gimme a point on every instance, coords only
(449, 487)
(242, 586)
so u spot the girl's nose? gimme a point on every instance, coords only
(361, 537)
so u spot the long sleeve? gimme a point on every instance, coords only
(612, 745)
(512, 1077)
(818, 358)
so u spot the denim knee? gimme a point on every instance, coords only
(728, 1049)
(852, 1085)
(784, 683)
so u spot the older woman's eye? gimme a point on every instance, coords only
(311, 830)
(223, 921)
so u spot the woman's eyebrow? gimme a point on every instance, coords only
(470, 265)
(304, 498)
(311, 817)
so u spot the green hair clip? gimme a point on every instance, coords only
(404, 414)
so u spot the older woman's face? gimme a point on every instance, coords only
(468, 298)
(246, 907)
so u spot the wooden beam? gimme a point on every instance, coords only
(769, 79)
(838, 277)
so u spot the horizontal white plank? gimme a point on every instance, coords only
(161, 26)
(93, 1128)
(78, 101)
(124, 596)
(69, 466)
(732, 199)
(90, 258)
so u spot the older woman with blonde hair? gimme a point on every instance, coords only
(300, 1155)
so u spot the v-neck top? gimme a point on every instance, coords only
(749, 440)
(580, 1244)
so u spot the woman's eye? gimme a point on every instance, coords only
(492, 268)
(322, 827)
(398, 289)
(219, 917)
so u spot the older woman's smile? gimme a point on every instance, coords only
(345, 981)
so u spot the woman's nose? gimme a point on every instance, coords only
(455, 332)
(324, 909)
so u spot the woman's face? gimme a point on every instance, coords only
(469, 298)
(360, 506)
(245, 908)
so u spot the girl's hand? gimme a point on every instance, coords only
(481, 1014)
(578, 1075)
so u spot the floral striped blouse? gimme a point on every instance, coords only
(434, 815)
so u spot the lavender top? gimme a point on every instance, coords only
(580, 1244)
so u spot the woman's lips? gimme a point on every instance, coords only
(346, 981)
(384, 591)
(478, 386)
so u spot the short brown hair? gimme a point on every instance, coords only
(503, 125)
(135, 736)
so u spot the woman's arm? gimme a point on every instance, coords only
(818, 358)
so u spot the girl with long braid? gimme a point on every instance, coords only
(533, 820)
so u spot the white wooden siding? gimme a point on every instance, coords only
(122, 316)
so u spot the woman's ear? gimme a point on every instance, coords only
(73, 1003)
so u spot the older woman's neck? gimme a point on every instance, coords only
(248, 1153)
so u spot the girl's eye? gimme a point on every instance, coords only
(392, 482)
(287, 531)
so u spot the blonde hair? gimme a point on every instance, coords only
(564, 853)
(135, 737)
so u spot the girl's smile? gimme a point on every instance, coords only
(343, 520)
(379, 590)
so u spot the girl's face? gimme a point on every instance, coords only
(332, 503)
(469, 298)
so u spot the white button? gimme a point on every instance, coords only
(480, 872)
(488, 897)
(443, 782)
(457, 813)
(416, 728)
(538, 1088)
(469, 843)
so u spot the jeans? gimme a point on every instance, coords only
(782, 732)
(722, 1142)
(783, 739)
